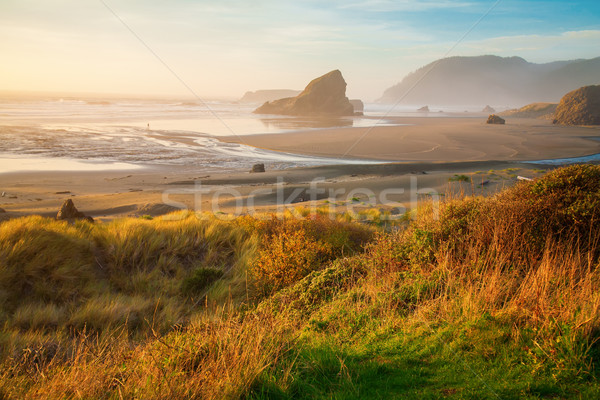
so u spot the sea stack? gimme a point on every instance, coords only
(579, 107)
(359, 106)
(323, 96)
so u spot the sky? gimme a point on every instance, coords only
(225, 48)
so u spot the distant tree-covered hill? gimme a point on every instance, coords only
(489, 79)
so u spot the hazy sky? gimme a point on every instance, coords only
(227, 47)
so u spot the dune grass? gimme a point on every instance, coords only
(126, 266)
(480, 298)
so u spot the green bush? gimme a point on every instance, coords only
(562, 205)
(459, 178)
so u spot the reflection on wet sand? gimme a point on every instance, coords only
(307, 123)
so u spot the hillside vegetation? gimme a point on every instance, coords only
(491, 80)
(579, 107)
(478, 298)
(533, 110)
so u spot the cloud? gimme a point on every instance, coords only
(540, 48)
(404, 5)
(236, 45)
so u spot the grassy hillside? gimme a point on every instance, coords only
(480, 298)
(533, 110)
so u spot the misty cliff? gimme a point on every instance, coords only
(260, 96)
(492, 80)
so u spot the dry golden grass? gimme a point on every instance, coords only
(510, 279)
(214, 358)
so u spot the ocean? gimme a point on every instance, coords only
(76, 134)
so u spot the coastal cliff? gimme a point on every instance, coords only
(579, 107)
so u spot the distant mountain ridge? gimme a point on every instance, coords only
(492, 80)
(260, 96)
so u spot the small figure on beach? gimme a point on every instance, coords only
(148, 128)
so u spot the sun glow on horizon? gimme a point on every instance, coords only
(226, 49)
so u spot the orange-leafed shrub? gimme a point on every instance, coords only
(293, 248)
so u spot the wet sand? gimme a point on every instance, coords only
(439, 140)
(437, 151)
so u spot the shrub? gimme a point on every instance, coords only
(293, 248)
(562, 205)
(459, 178)
(287, 257)
(571, 196)
(317, 287)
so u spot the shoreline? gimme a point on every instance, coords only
(437, 139)
(489, 157)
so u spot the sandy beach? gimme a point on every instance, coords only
(439, 139)
(108, 195)
(434, 153)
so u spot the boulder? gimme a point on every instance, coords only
(2, 210)
(494, 119)
(258, 168)
(579, 107)
(423, 109)
(69, 211)
(359, 106)
(488, 110)
(395, 211)
(323, 96)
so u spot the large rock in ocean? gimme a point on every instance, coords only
(579, 107)
(358, 105)
(325, 96)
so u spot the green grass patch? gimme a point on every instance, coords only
(459, 178)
